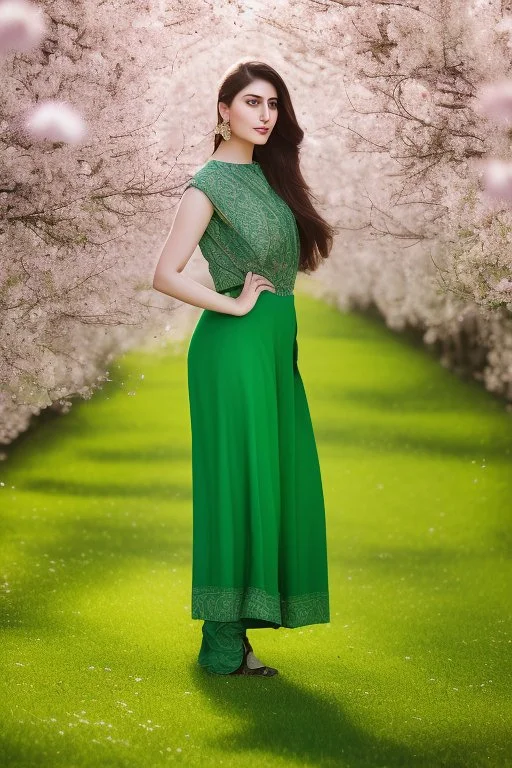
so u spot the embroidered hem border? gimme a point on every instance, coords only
(231, 603)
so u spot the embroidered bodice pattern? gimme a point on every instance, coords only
(252, 228)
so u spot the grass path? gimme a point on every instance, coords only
(98, 648)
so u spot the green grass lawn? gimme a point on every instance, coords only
(99, 653)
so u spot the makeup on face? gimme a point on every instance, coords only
(254, 100)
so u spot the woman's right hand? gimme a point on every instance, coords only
(254, 284)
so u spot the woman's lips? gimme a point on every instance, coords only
(261, 130)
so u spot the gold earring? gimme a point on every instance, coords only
(224, 130)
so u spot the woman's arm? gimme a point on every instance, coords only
(193, 213)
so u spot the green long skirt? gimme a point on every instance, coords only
(259, 535)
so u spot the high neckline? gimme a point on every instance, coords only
(225, 162)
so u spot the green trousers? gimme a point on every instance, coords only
(222, 647)
(259, 534)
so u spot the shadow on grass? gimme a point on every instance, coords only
(90, 548)
(393, 440)
(152, 490)
(310, 728)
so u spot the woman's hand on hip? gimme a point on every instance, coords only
(254, 284)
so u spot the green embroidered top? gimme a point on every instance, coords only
(252, 229)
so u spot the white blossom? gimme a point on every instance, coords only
(55, 121)
(22, 26)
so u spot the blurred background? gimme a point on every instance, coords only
(405, 333)
(109, 108)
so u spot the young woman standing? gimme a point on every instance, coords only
(259, 534)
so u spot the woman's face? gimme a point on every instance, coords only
(255, 106)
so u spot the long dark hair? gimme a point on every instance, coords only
(279, 160)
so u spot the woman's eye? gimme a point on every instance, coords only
(254, 101)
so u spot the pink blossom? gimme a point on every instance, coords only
(55, 121)
(505, 25)
(497, 179)
(503, 285)
(391, 145)
(495, 101)
(22, 26)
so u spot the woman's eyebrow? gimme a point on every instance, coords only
(260, 97)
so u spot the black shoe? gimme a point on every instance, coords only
(247, 644)
(251, 665)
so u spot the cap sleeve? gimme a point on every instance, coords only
(208, 182)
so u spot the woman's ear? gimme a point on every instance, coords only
(224, 111)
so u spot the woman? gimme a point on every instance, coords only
(259, 538)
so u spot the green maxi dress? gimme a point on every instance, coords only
(259, 550)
